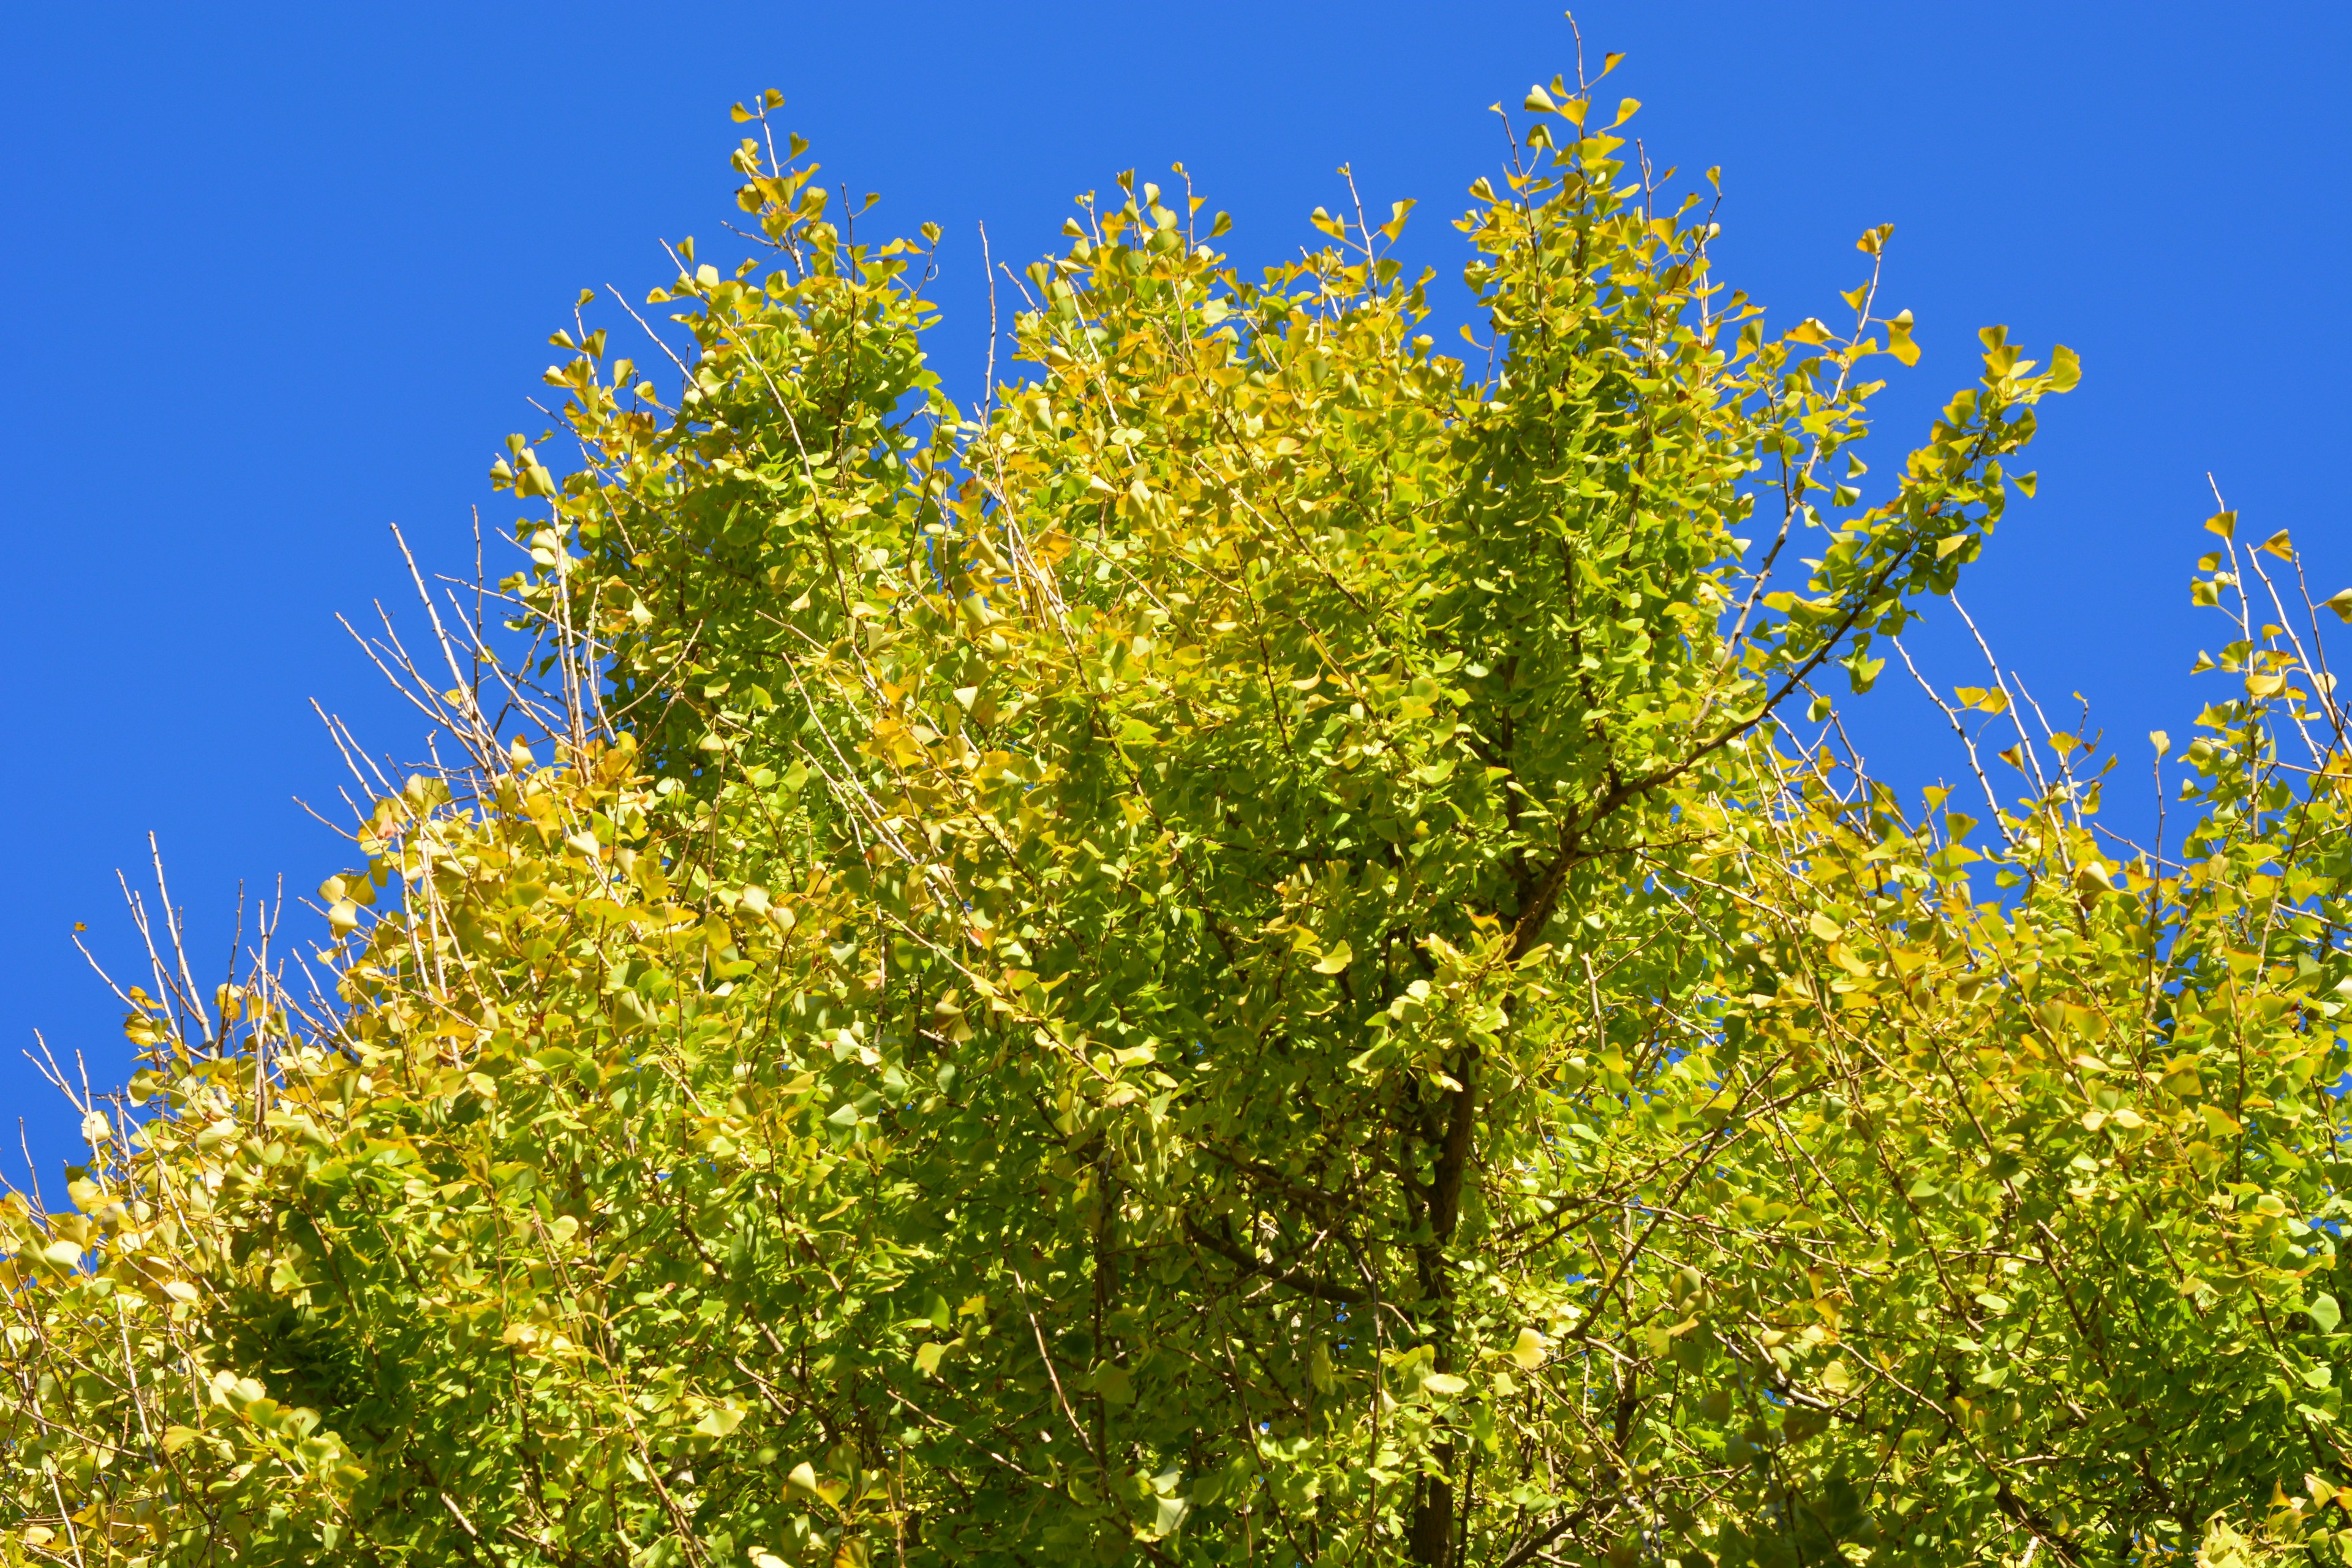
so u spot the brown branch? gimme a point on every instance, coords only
(1202, 1236)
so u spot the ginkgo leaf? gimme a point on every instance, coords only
(718, 1421)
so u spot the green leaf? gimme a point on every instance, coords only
(718, 1421)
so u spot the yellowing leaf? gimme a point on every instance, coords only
(1984, 699)
(718, 1421)
(1444, 1385)
(1336, 958)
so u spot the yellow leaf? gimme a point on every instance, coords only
(1528, 1353)
(1336, 958)
(1444, 1385)
(1821, 926)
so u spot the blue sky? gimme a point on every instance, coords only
(284, 275)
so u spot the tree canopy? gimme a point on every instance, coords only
(1259, 951)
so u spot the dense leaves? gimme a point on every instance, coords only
(1240, 955)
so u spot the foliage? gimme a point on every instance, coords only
(1241, 956)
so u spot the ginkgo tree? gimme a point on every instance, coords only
(1254, 952)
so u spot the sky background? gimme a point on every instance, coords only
(284, 275)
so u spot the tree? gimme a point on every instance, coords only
(1242, 956)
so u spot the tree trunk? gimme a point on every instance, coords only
(1429, 1541)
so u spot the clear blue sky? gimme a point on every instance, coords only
(284, 274)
